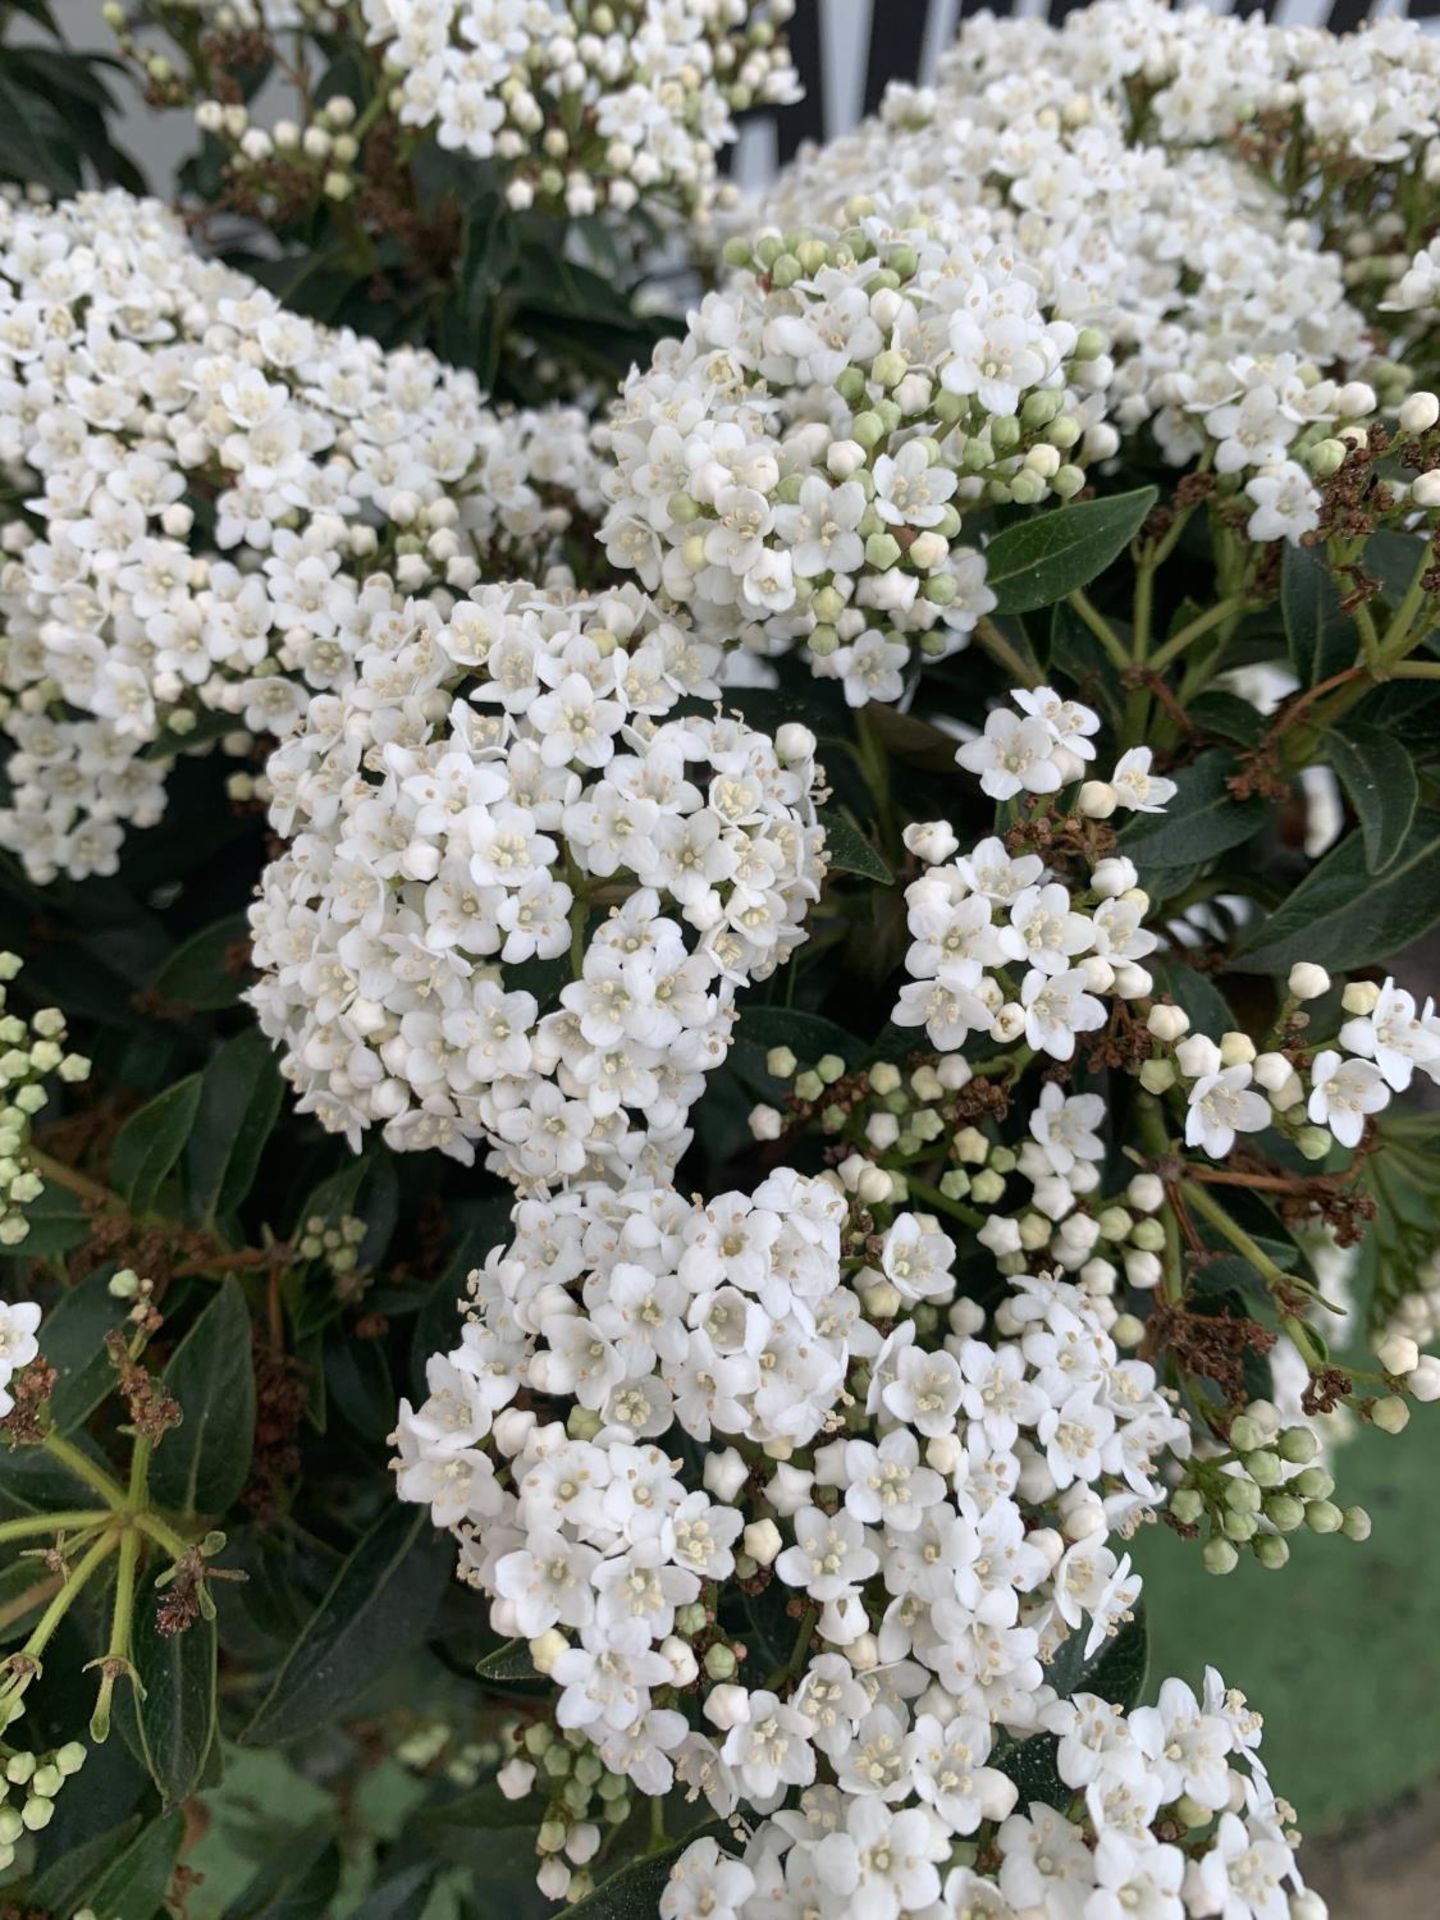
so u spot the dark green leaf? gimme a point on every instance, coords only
(296, 1881)
(399, 1897)
(848, 851)
(201, 1465)
(1076, 653)
(634, 1892)
(1377, 772)
(35, 146)
(510, 1662)
(73, 1338)
(1038, 561)
(379, 1606)
(1321, 638)
(808, 1035)
(202, 974)
(1116, 1671)
(61, 1887)
(1198, 996)
(1204, 818)
(1343, 916)
(58, 1222)
(133, 1886)
(150, 1143)
(1227, 715)
(1031, 1764)
(240, 1102)
(177, 1708)
(25, 1588)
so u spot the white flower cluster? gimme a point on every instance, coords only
(1232, 1089)
(798, 467)
(1001, 947)
(1135, 156)
(19, 1320)
(589, 103)
(654, 1397)
(1189, 1761)
(30, 1050)
(488, 785)
(220, 500)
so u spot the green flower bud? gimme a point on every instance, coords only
(1005, 433)
(867, 429)
(1265, 1469)
(1314, 1484)
(1323, 1516)
(1239, 1526)
(830, 1068)
(987, 1188)
(1187, 1504)
(780, 1062)
(882, 551)
(889, 368)
(786, 271)
(1391, 1415)
(1313, 1142)
(1356, 1524)
(1090, 344)
(940, 589)
(814, 257)
(720, 1662)
(737, 252)
(851, 386)
(903, 262)
(1270, 1550)
(809, 1086)
(1243, 1496)
(1298, 1445)
(1284, 1511)
(555, 1761)
(1219, 1557)
(1246, 1434)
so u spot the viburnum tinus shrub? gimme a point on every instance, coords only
(802, 1014)
(494, 179)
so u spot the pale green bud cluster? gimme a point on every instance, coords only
(29, 1785)
(30, 1053)
(335, 1243)
(1269, 1484)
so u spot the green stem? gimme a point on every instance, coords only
(69, 1593)
(118, 1653)
(1144, 610)
(84, 1468)
(1001, 651)
(1193, 630)
(38, 1523)
(933, 1197)
(1102, 629)
(1201, 1200)
(1393, 639)
(162, 1533)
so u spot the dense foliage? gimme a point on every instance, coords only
(714, 917)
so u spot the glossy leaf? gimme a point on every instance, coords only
(177, 1710)
(1343, 916)
(151, 1142)
(848, 851)
(510, 1662)
(1320, 636)
(241, 1095)
(379, 1606)
(74, 1342)
(133, 1886)
(201, 1465)
(1038, 561)
(1115, 1671)
(61, 1887)
(203, 974)
(1379, 776)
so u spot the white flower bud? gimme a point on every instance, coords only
(766, 1123)
(1423, 1381)
(1307, 981)
(727, 1706)
(1236, 1049)
(1097, 800)
(725, 1473)
(1197, 1056)
(1113, 876)
(1425, 491)
(1419, 412)
(795, 742)
(1398, 1353)
(762, 1542)
(1360, 997)
(1168, 1024)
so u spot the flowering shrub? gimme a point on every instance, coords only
(186, 418)
(793, 1013)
